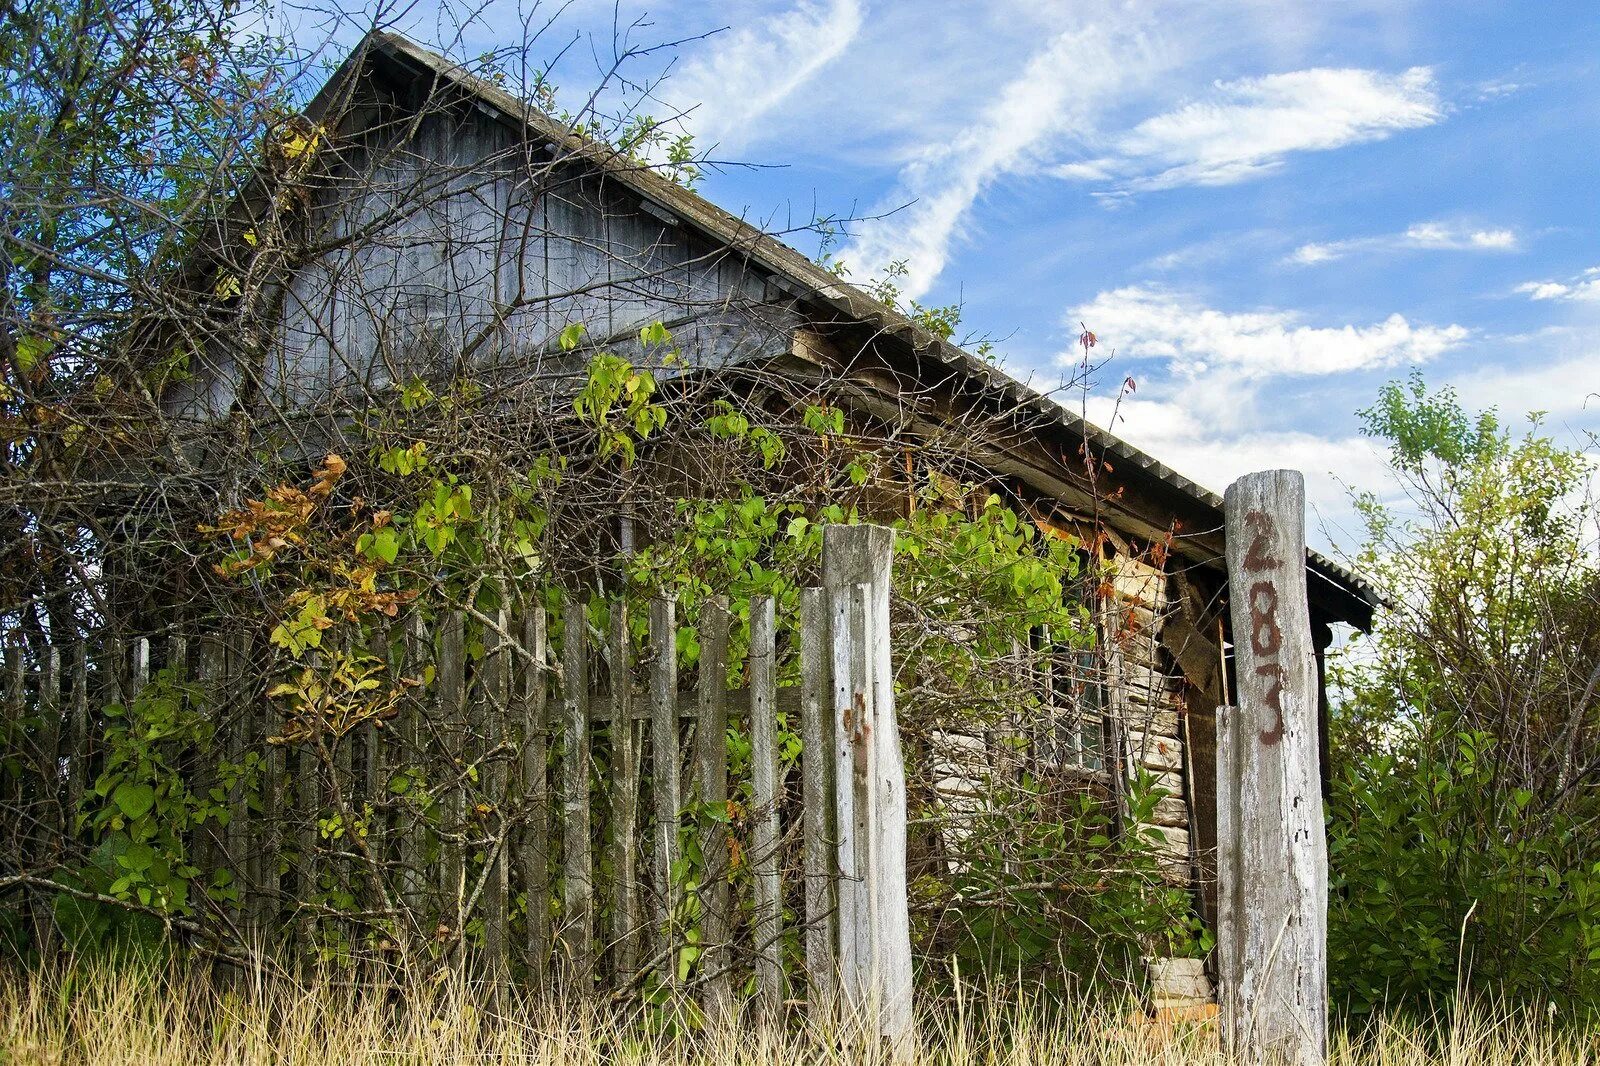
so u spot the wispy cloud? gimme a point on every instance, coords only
(1248, 127)
(1157, 323)
(1584, 287)
(1430, 236)
(746, 73)
(1053, 92)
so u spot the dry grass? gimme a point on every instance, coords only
(114, 1017)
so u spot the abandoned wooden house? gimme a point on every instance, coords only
(466, 259)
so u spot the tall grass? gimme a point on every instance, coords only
(128, 1015)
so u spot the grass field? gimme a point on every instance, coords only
(95, 1015)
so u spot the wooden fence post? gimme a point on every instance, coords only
(816, 783)
(1274, 861)
(577, 917)
(664, 783)
(625, 744)
(870, 791)
(534, 854)
(765, 790)
(711, 743)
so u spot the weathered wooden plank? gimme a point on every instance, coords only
(450, 728)
(50, 742)
(664, 782)
(852, 771)
(577, 918)
(78, 732)
(410, 827)
(859, 559)
(712, 755)
(1280, 901)
(624, 794)
(11, 728)
(1228, 941)
(765, 792)
(816, 801)
(139, 666)
(534, 854)
(495, 689)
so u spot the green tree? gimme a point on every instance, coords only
(1463, 816)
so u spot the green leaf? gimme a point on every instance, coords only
(134, 800)
(572, 335)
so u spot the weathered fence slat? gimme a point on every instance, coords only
(816, 802)
(577, 925)
(78, 731)
(765, 791)
(410, 828)
(852, 771)
(624, 801)
(875, 928)
(494, 690)
(450, 676)
(712, 749)
(535, 850)
(1277, 998)
(664, 780)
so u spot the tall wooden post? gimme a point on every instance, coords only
(870, 787)
(1273, 857)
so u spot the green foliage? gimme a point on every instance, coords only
(1462, 819)
(1436, 866)
(1063, 897)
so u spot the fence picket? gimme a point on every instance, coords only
(577, 919)
(450, 676)
(497, 887)
(664, 773)
(816, 754)
(765, 790)
(535, 850)
(624, 800)
(712, 750)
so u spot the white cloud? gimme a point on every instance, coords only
(1429, 236)
(746, 73)
(1054, 92)
(1181, 431)
(1582, 288)
(1152, 322)
(1248, 127)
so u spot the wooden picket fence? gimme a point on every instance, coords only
(538, 800)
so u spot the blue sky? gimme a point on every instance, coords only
(1264, 209)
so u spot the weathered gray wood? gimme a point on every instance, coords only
(624, 794)
(267, 860)
(494, 690)
(50, 738)
(1279, 1000)
(664, 763)
(712, 755)
(577, 918)
(11, 728)
(450, 726)
(876, 970)
(409, 825)
(816, 801)
(765, 790)
(534, 854)
(78, 732)
(852, 770)
(1227, 934)
(139, 666)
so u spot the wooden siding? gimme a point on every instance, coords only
(488, 235)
